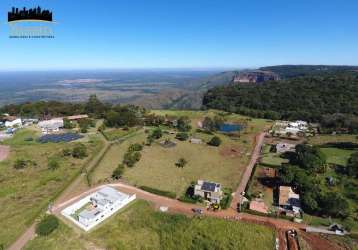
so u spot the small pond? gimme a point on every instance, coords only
(229, 127)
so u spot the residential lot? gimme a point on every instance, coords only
(27, 191)
(140, 227)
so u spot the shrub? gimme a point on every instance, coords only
(20, 164)
(215, 141)
(135, 147)
(52, 163)
(226, 200)
(182, 136)
(79, 151)
(47, 225)
(66, 152)
(157, 133)
(181, 163)
(118, 172)
(130, 158)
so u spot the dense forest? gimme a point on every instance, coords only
(291, 71)
(330, 100)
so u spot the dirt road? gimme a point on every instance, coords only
(237, 199)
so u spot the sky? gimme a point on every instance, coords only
(133, 34)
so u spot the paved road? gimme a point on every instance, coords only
(237, 199)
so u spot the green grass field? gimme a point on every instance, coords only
(140, 227)
(337, 156)
(25, 193)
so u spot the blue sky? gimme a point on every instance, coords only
(95, 34)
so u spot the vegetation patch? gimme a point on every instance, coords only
(47, 225)
(159, 192)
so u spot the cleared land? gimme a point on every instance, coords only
(140, 227)
(26, 192)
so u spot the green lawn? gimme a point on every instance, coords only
(140, 227)
(273, 160)
(337, 156)
(25, 193)
(322, 139)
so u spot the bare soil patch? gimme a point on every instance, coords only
(4, 152)
(231, 151)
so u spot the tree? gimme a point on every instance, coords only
(182, 136)
(352, 166)
(335, 204)
(309, 202)
(310, 158)
(131, 158)
(47, 225)
(66, 152)
(79, 151)
(286, 173)
(20, 164)
(181, 163)
(67, 124)
(184, 124)
(118, 172)
(215, 141)
(135, 147)
(208, 124)
(95, 107)
(157, 133)
(52, 163)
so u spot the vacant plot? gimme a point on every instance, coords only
(157, 167)
(24, 193)
(224, 164)
(258, 189)
(140, 227)
(4, 152)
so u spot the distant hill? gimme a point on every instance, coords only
(290, 71)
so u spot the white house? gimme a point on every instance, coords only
(15, 123)
(95, 208)
(210, 191)
(50, 126)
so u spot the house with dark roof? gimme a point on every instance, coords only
(209, 191)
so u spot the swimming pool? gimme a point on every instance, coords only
(228, 127)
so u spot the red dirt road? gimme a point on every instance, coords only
(237, 199)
